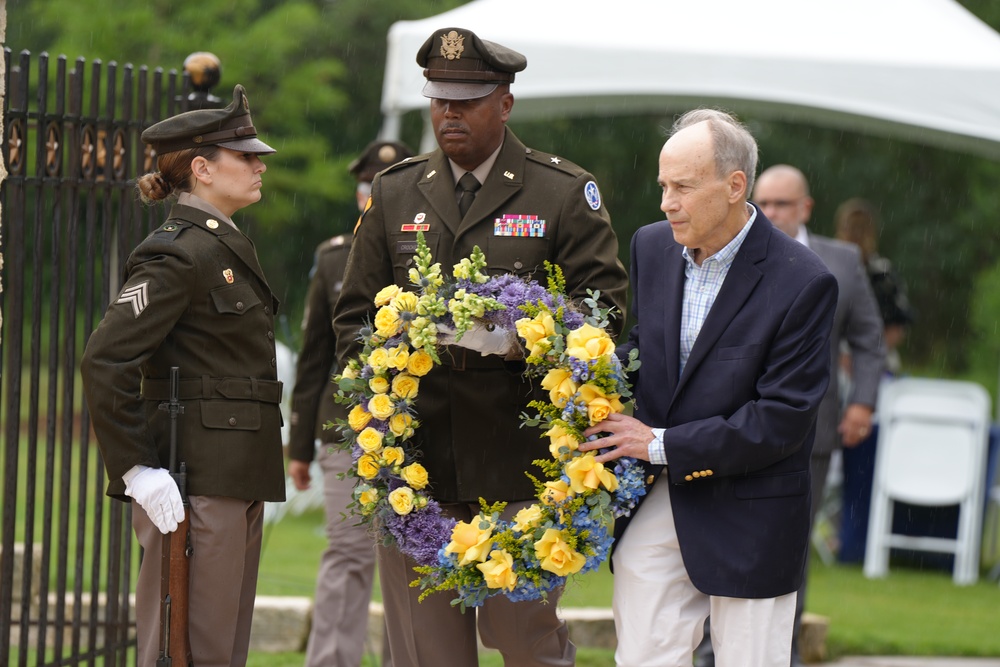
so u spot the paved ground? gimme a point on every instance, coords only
(903, 661)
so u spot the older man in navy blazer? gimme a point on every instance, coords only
(733, 329)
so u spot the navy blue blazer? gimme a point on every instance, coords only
(740, 419)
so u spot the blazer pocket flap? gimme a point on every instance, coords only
(739, 352)
(234, 299)
(231, 415)
(772, 486)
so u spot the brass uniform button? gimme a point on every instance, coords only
(232, 421)
(650, 479)
(688, 478)
(239, 305)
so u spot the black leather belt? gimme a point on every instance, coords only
(266, 391)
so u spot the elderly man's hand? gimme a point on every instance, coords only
(627, 436)
(856, 424)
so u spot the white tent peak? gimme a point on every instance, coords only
(924, 70)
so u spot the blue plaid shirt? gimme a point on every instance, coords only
(701, 286)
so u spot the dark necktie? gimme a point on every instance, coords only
(468, 186)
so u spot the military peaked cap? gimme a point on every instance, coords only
(461, 66)
(377, 156)
(230, 128)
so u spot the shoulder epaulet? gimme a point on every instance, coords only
(554, 161)
(408, 162)
(170, 229)
(339, 242)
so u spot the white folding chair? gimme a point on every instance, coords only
(931, 451)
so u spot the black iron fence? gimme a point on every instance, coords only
(71, 148)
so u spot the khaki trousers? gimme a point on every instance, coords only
(660, 615)
(226, 540)
(432, 633)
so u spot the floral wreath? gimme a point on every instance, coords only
(568, 530)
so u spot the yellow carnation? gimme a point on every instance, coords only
(560, 439)
(557, 556)
(405, 302)
(555, 492)
(498, 571)
(405, 386)
(585, 473)
(367, 466)
(599, 405)
(379, 359)
(415, 475)
(358, 418)
(398, 356)
(379, 384)
(560, 385)
(536, 331)
(370, 440)
(393, 456)
(588, 342)
(471, 542)
(401, 500)
(420, 363)
(527, 518)
(387, 322)
(400, 423)
(387, 294)
(381, 406)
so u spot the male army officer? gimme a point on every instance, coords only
(470, 435)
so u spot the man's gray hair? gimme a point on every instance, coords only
(735, 148)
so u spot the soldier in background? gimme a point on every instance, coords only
(347, 568)
(194, 297)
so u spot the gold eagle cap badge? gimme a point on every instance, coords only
(452, 45)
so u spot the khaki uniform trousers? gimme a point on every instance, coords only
(434, 633)
(226, 541)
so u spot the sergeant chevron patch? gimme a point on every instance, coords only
(136, 296)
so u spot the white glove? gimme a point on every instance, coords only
(156, 492)
(487, 341)
(445, 334)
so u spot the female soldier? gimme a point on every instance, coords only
(194, 297)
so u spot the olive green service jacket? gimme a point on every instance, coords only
(195, 297)
(312, 399)
(469, 409)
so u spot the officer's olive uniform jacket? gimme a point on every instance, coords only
(470, 434)
(312, 400)
(195, 297)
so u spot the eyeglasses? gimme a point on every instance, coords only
(778, 203)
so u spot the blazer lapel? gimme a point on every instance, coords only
(740, 282)
(670, 279)
(234, 239)
(438, 188)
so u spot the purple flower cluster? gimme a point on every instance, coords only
(512, 292)
(420, 534)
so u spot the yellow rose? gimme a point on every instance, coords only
(387, 294)
(527, 518)
(379, 384)
(367, 495)
(381, 406)
(585, 473)
(401, 500)
(556, 556)
(400, 423)
(405, 386)
(387, 322)
(599, 405)
(470, 542)
(351, 372)
(415, 475)
(555, 492)
(498, 571)
(560, 385)
(405, 301)
(368, 466)
(588, 342)
(560, 438)
(393, 456)
(358, 418)
(398, 356)
(535, 332)
(379, 359)
(370, 440)
(420, 363)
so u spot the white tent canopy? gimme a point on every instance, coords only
(924, 70)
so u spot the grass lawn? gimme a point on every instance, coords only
(910, 612)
